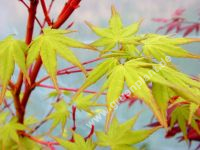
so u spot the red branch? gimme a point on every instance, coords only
(74, 117)
(91, 133)
(66, 12)
(46, 14)
(29, 35)
(38, 64)
(46, 143)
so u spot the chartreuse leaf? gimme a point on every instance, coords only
(187, 79)
(116, 85)
(121, 136)
(24, 144)
(31, 120)
(171, 40)
(50, 43)
(180, 115)
(180, 83)
(55, 94)
(150, 75)
(131, 50)
(115, 88)
(193, 108)
(98, 72)
(3, 117)
(180, 80)
(138, 87)
(162, 96)
(11, 52)
(115, 20)
(158, 45)
(79, 143)
(60, 115)
(115, 33)
(9, 130)
(85, 103)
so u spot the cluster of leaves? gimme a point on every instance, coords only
(119, 136)
(183, 119)
(128, 59)
(9, 134)
(178, 23)
(47, 45)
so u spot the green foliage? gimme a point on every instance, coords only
(85, 103)
(127, 60)
(11, 53)
(50, 43)
(133, 62)
(23, 144)
(99, 71)
(79, 143)
(55, 94)
(160, 46)
(121, 136)
(8, 130)
(60, 115)
(115, 34)
(27, 144)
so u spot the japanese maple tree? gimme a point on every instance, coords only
(138, 63)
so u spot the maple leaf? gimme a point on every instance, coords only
(60, 114)
(115, 33)
(9, 130)
(121, 136)
(85, 103)
(50, 43)
(11, 51)
(160, 46)
(79, 143)
(190, 28)
(97, 73)
(190, 90)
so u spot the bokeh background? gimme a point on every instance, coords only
(13, 17)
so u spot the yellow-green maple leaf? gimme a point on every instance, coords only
(160, 46)
(120, 136)
(51, 43)
(115, 33)
(79, 143)
(85, 102)
(60, 114)
(11, 53)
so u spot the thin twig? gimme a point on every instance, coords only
(49, 10)
(8, 107)
(58, 74)
(45, 11)
(45, 120)
(46, 143)
(84, 63)
(24, 3)
(68, 89)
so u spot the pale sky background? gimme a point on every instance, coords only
(13, 21)
(13, 15)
